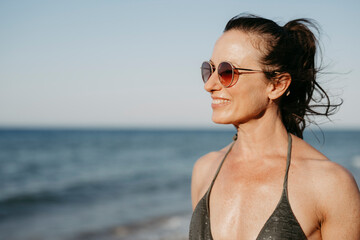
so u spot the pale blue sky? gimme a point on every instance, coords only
(136, 63)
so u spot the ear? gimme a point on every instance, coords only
(278, 85)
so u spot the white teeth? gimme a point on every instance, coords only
(220, 101)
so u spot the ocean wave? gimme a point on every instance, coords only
(30, 198)
(356, 161)
(173, 227)
(24, 204)
(121, 189)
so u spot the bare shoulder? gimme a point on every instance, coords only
(338, 202)
(326, 175)
(333, 181)
(333, 188)
(203, 172)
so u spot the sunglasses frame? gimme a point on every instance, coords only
(213, 69)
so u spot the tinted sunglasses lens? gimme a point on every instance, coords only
(226, 73)
(206, 71)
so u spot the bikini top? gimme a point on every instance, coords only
(281, 225)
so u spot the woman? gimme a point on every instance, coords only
(269, 183)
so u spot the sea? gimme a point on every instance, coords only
(116, 184)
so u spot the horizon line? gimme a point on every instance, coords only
(159, 128)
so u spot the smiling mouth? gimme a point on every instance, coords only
(220, 101)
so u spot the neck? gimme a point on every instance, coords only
(260, 137)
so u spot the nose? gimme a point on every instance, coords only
(213, 83)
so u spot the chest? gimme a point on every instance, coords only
(244, 197)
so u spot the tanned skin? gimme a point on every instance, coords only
(323, 195)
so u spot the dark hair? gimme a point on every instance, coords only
(290, 49)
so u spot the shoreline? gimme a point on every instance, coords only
(172, 227)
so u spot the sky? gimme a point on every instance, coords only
(137, 63)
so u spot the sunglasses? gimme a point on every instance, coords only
(227, 73)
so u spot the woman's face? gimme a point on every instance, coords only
(247, 99)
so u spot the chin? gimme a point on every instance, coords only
(222, 120)
(229, 119)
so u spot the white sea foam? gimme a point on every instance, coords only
(169, 228)
(356, 161)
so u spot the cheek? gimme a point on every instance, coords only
(259, 98)
(248, 101)
(251, 102)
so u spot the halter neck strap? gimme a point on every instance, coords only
(288, 161)
(218, 170)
